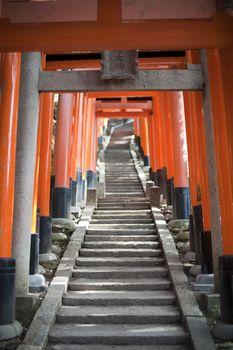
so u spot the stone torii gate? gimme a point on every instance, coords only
(209, 28)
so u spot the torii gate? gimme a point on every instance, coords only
(101, 32)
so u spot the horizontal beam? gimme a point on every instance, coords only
(144, 35)
(143, 63)
(123, 114)
(79, 10)
(153, 80)
(122, 105)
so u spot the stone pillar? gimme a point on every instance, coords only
(25, 164)
(149, 184)
(155, 196)
(215, 215)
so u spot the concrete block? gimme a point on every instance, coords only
(223, 331)
(101, 189)
(92, 197)
(44, 318)
(199, 333)
(10, 331)
(149, 184)
(155, 196)
(25, 308)
(36, 283)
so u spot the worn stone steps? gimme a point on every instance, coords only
(97, 216)
(122, 226)
(118, 212)
(118, 314)
(120, 252)
(119, 261)
(111, 298)
(121, 245)
(118, 272)
(113, 231)
(126, 238)
(124, 207)
(115, 347)
(120, 295)
(120, 284)
(120, 334)
(122, 221)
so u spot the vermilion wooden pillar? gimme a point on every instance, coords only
(62, 192)
(161, 142)
(136, 131)
(144, 140)
(44, 177)
(152, 150)
(181, 188)
(170, 150)
(74, 149)
(9, 93)
(89, 142)
(79, 148)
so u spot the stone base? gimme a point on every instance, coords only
(92, 197)
(36, 283)
(10, 331)
(48, 260)
(204, 283)
(205, 279)
(223, 331)
(25, 308)
(101, 189)
(210, 305)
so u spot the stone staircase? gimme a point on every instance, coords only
(120, 296)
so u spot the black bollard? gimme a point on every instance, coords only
(170, 190)
(61, 202)
(73, 192)
(206, 253)
(181, 202)
(34, 254)
(198, 228)
(45, 234)
(191, 233)
(226, 288)
(7, 291)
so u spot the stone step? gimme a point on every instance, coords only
(120, 284)
(123, 207)
(122, 226)
(98, 216)
(108, 298)
(125, 189)
(109, 261)
(116, 182)
(118, 314)
(115, 238)
(120, 232)
(118, 272)
(124, 185)
(127, 194)
(122, 221)
(121, 245)
(123, 212)
(124, 334)
(120, 252)
(124, 199)
(116, 347)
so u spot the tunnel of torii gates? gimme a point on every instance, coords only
(181, 102)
